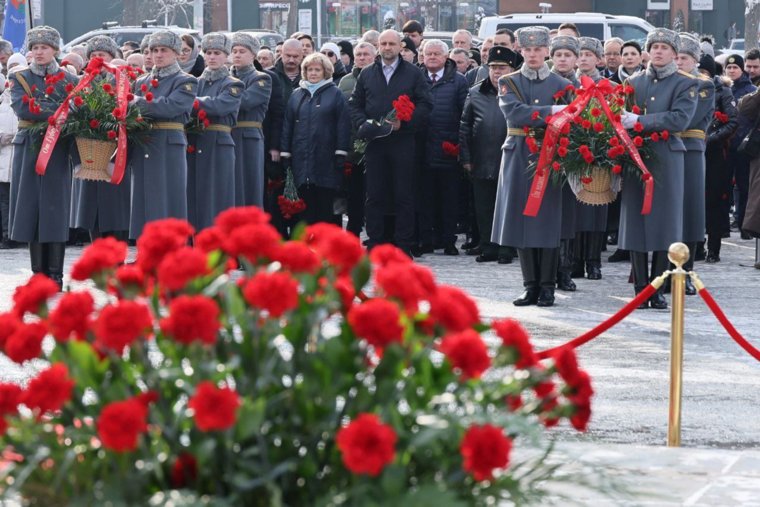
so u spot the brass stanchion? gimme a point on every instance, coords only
(678, 253)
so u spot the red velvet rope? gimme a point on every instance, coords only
(738, 338)
(604, 326)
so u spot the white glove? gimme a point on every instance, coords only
(557, 109)
(629, 120)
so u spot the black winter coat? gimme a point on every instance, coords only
(288, 86)
(448, 94)
(272, 125)
(373, 98)
(482, 131)
(315, 130)
(719, 132)
(339, 70)
(741, 87)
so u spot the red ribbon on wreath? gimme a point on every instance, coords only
(53, 131)
(588, 91)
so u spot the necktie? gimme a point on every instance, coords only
(434, 78)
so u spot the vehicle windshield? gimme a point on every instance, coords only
(587, 29)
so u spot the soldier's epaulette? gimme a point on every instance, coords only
(234, 78)
(702, 77)
(512, 73)
(690, 76)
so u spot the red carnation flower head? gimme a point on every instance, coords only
(586, 124)
(143, 88)
(386, 254)
(665, 135)
(10, 396)
(450, 149)
(377, 321)
(340, 248)
(404, 108)
(485, 449)
(638, 127)
(595, 111)
(104, 255)
(121, 423)
(367, 445)
(25, 343)
(192, 318)
(345, 288)
(69, 87)
(9, 322)
(566, 365)
(564, 141)
(556, 166)
(49, 90)
(196, 104)
(617, 169)
(516, 338)
(71, 317)
(32, 297)
(154, 83)
(214, 408)
(276, 293)
(202, 114)
(562, 151)
(49, 390)
(454, 309)
(230, 219)
(149, 96)
(598, 127)
(654, 136)
(209, 239)
(94, 123)
(638, 140)
(184, 470)
(467, 352)
(181, 266)
(253, 241)
(409, 283)
(297, 257)
(614, 141)
(111, 134)
(107, 88)
(159, 238)
(130, 279)
(121, 323)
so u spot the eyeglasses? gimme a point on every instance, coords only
(186, 51)
(328, 53)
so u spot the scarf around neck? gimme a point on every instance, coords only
(624, 74)
(661, 72)
(215, 75)
(540, 74)
(167, 71)
(44, 70)
(313, 87)
(187, 67)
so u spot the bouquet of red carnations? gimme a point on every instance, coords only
(403, 110)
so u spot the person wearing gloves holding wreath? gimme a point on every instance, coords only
(211, 152)
(40, 204)
(100, 206)
(159, 166)
(666, 100)
(526, 98)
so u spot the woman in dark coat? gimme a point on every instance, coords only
(40, 204)
(190, 58)
(211, 162)
(315, 138)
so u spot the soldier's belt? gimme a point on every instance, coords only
(692, 134)
(248, 125)
(168, 125)
(25, 124)
(216, 127)
(520, 132)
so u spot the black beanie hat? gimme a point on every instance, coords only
(707, 63)
(407, 43)
(346, 48)
(735, 60)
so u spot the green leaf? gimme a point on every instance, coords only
(393, 480)
(250, 418)
(430, 496)
(361, 273)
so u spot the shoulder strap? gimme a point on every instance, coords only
(22, 81)
(513, 87)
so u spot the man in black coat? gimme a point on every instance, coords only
(389, 159)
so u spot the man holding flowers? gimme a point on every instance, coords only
(664, 100)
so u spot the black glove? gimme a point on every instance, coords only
(340, 161)
(285, 163)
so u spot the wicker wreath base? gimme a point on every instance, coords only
(598, 191)
(95, 156)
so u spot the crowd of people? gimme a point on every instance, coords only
(457, 166)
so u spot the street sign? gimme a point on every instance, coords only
(701, 5)
(658, 5)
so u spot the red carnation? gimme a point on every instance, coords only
(158, 239)
(104, 254)
(33, 295)
(149, 96)
(196, 104)
(215, 408)
(534, 115)
(638, 140)
(404, 108)
(485, 449)
(665, 135)
(143, 88)
(636, 109)
(377, 321)
(111, 135)
(130, 276)
(184, 470)
(586, 124)
(192, 318)
(253, 241)
(450, 149)
(71, 316)
(515, 337)
(190, 148)
(121, 423)
(598, 127)
(49, 390)
(340, 248)
(202, 115)
(78, 101)
(386, 254)
(49, 90)
(229, 220)
(614, 141)
(209, 239)
(562, 151)
(556, 166)
(180, 267)
(638, 127)
(154, 83)
(69, 87)
(297, 257)
(617, 169)
(94, 123)
(409, 283)
(655, 136)
(345, 288)
(367, 445)
(10, 397)
(566, 365)
(107, 88)
(121, 323)
(532, 145)
(9, 322)
(467, 352)
(276, 293)
(564, 141)
(454, 309)
(595, 111)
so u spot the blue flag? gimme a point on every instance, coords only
(14, 30)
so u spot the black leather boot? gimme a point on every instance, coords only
(529, 266)
(37, 257)
(548, 261)
(594, 241)
(578, 251)
(56, 252)
(640, 269)
(689, 266)
(659, 266)
(564, 280)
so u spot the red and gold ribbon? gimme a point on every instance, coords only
(588, 91)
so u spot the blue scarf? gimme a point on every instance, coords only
(313, 87)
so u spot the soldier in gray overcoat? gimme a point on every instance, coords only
(590, 220)
(667, 99)
(694, 157)
(39, 205)
(159, 166)
(211, 162)
(521, 94)
(100, 206)
(248, 134)
(564, 53)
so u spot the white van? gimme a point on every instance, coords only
(590, 24)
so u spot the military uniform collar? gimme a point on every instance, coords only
(661, 72)
(242, 71)
(215, 75)
(166, 71)
(44, 70)
(570, 76)
(594, 74)
(540, 74)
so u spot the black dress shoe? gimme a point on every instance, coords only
(565, 283)
(700, 255)
(594, 271)
(578, 271)
(472, 251)
(424, 249)
(450, 250)
(620, 256)
(745, 235)
(545, 297)
(469, 245)
(505, 259)
(486, 258)
(529, 297)
(712, 258)
(690, 289)
(658, 302)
